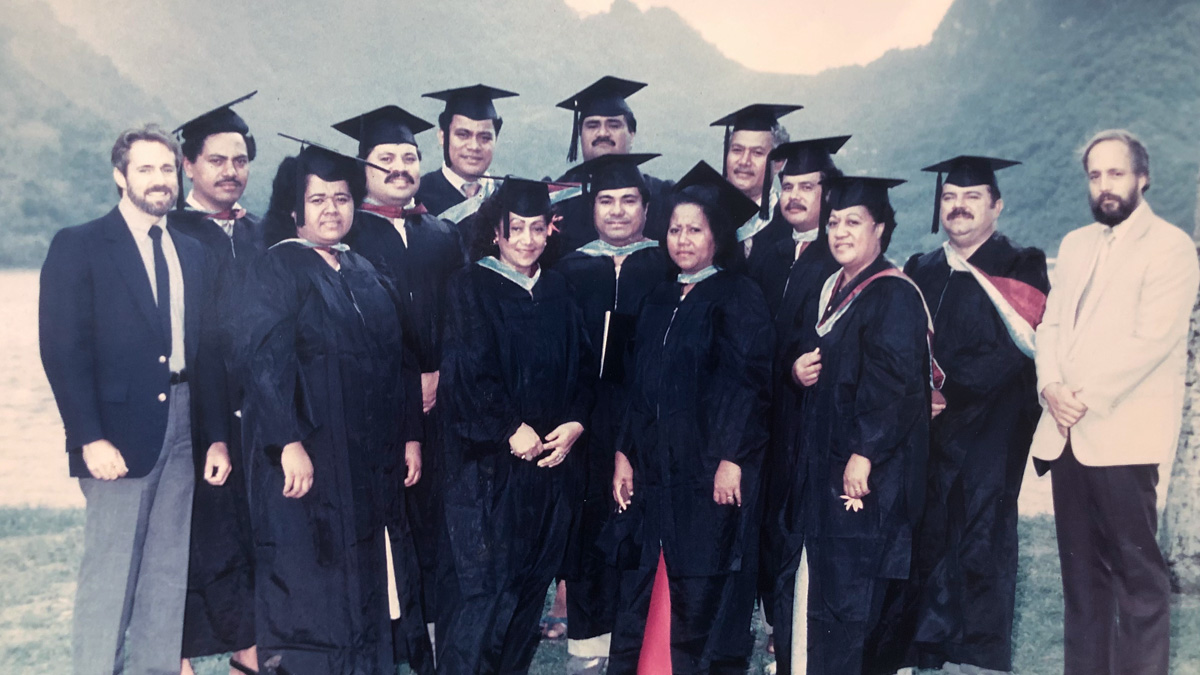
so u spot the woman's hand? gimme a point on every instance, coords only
(854, 478)
(622, 481)
(807, 368)
(727, 484)
(297, 470)
(429, 385)
(412, 459)
(937, 404)
(559, 442)
(525, 443)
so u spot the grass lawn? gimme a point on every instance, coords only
(39, 558)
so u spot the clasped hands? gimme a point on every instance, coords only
(1065, 406)
(527, 445)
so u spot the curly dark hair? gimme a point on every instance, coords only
(884, 213)
(724, 230)
(491, 221)
(291, 179)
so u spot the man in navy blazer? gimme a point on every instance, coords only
(119, 322)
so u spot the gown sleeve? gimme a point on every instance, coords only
(265, 355)
(479, 407)
(212, 374)
(584, 396)
(745, 345)
(893, 372)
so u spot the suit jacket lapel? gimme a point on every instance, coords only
(128, 260)
(1118, 257)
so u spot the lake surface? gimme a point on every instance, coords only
(33, 464)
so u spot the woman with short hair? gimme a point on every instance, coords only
(694, 437)
(331, 415)
(858, 490)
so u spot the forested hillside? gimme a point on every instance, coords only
(1024, 79)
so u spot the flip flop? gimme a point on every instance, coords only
(553, 627)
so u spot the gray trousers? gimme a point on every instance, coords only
(133, 577)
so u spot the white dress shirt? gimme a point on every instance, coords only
(141, 237)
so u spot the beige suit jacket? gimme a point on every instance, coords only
(1128, 350)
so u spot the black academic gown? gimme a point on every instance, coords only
(762, 244)
(219, 610)
(323, 359)
(598, 290)
(437, 194)
(508, 357)
(967, 552)
(577, 226)
(420, 271)
(871, 399)
(792, 287)
(699, 395)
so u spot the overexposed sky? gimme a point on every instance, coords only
(801, 36)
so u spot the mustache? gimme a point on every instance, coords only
(396, 175)
(230, 181)
(603, 139)
(960, 212)
(794, 204)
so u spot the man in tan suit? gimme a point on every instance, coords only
(1111, 355)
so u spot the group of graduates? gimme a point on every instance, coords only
(437, 394)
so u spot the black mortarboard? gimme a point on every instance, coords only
(219, 120)
(389, 124)
(755, 117)
(612, 172)
(606, 97)
(525, 197)
(330, 165)
(474, 102)
(964, 171)
(868, 191)
(738, 206)
(330, 152)
(808, 156)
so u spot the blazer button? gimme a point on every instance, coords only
(162, 359)
(162, 397)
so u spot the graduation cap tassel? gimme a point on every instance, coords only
(764, 210)
(573, 153)
(179, 197)
(300, 185)
(725, 156)
(937, 204)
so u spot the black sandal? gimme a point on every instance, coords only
(241, 667)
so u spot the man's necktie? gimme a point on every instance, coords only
(471, 189)
(162, 282)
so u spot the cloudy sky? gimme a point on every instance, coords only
(801, 36)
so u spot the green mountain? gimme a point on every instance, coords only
(1025, 79)
(61, 106)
